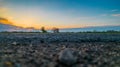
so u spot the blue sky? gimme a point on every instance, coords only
(61, 13)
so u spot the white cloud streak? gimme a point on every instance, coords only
(116, 15)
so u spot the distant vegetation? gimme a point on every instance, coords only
(43, 30)
(108, 31)
(56, 30)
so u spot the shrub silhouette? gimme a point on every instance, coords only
(55, 30)
(43, 30)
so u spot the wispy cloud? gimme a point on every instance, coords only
(84, 18)
(116, 15)
(5, 21)
(103, 15)
(115, 10)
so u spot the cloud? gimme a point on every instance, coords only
(5, 21)
(104, 15)
(115, 10)
(117, 15)
(84, 18)
(112, 13)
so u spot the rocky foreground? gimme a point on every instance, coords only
(59, 50)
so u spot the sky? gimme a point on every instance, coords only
(61, 13)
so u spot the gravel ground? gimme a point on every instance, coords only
(59, 50)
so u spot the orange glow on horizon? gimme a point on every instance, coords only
(27, 20)
(37, 26)
(3, 21)
(30, 24)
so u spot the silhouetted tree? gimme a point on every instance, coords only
(43, 30)
(55, 30)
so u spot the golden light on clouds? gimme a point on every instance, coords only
(25, 20)
(5, 21)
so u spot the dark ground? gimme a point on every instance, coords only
(43, 49)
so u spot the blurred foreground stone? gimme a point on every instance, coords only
(67, 57)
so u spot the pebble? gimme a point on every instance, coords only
(66, 57)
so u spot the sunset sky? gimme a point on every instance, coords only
(61, 13)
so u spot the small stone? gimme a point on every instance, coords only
(14, 43)
(52, 64)
(67, 57)
(8, 64)
(17, 65)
